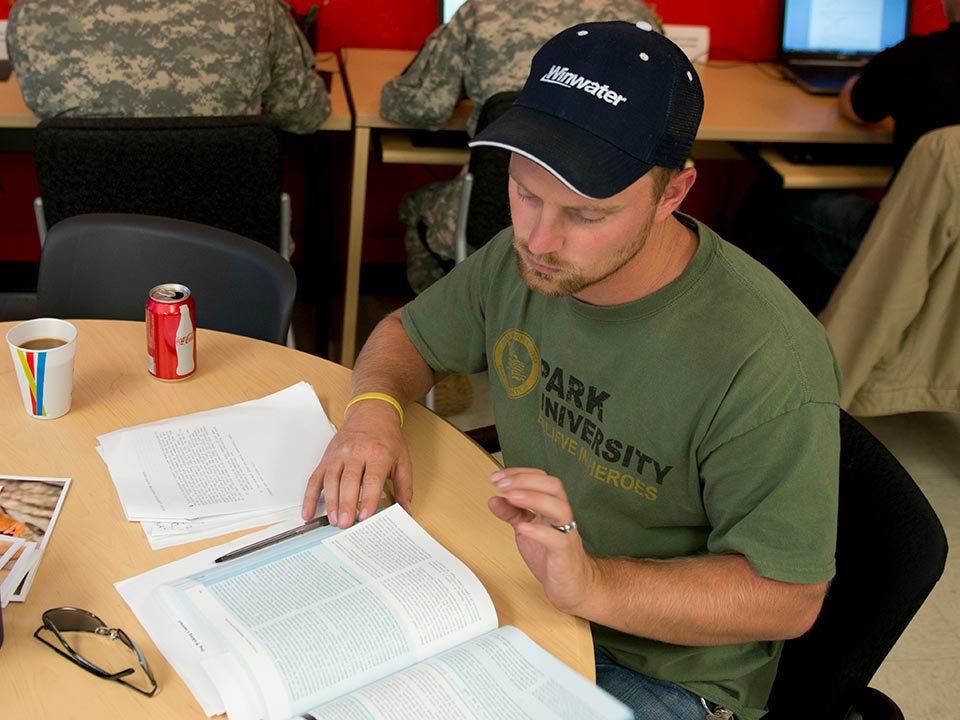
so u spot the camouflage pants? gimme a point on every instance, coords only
(430, 214)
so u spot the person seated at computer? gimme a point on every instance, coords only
(146, 58)
(484, 49)
(914, 85)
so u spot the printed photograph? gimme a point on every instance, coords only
(29, 507)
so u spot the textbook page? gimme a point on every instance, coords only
(181, 649)
(305, 621)
(255, 455)
(501, 675)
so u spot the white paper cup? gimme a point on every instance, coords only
(45, 375)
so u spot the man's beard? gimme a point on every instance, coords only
(571, 280)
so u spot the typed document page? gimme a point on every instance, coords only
(256, 455)
(315, 617)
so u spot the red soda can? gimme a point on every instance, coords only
(171, 340)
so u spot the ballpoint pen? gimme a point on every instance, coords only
(317, 522)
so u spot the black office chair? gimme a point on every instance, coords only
(102, 266)
(891, 550)
(489, 209)
(219, 171)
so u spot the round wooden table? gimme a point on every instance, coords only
(92, 545)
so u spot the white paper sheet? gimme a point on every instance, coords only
(168, 533)
(254, 456)
(15, 563)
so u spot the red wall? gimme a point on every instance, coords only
(749, 33)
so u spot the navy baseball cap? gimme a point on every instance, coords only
(604, 103)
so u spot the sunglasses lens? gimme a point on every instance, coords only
(69, 619)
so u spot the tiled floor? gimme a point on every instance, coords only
(923, 671)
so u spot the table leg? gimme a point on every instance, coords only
(358, 201)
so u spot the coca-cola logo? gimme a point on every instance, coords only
(185, 339)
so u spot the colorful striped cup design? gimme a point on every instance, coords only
(44, 373)
(34, 365)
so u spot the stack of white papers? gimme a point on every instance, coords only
(218, 471)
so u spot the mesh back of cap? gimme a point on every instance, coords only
(686, 109)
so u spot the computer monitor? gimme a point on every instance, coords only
(446, 9)
(842, 28)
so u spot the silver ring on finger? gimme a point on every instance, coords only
(566, 528)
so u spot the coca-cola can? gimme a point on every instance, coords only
(171, 338)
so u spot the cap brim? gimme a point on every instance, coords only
(583, 162)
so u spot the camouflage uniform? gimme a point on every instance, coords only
(486, 48)
(158, 58)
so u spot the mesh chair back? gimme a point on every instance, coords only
(218, 171)
(891, 550)
(103, 266)
(489, 211)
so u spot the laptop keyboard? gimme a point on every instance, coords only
(826, 72)
(824, 76)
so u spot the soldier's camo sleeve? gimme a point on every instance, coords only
(425, 95)
(296, 96)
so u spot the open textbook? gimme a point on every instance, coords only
(378, 621)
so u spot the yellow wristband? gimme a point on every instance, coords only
(376, 396)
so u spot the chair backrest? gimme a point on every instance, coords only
(891, 550)
(103, 266)
(218, 171)
(489, 211)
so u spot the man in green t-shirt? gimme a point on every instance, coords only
(667, 409)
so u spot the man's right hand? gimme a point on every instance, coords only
(368, 448)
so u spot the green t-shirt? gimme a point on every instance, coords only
(702, 418)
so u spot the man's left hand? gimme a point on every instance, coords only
(536, 505)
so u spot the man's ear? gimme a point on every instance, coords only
(675, 191)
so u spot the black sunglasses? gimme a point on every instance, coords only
(68, 619)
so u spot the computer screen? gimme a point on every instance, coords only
(446, 9)
(854, 27)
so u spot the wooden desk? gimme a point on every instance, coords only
(366, 72)
(743, 103)
(340, 116)
(802, 176)
(751, 103)
(92, 546)
(15, 114)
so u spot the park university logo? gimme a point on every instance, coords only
(562, 76)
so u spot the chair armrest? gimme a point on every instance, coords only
(871, 704)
